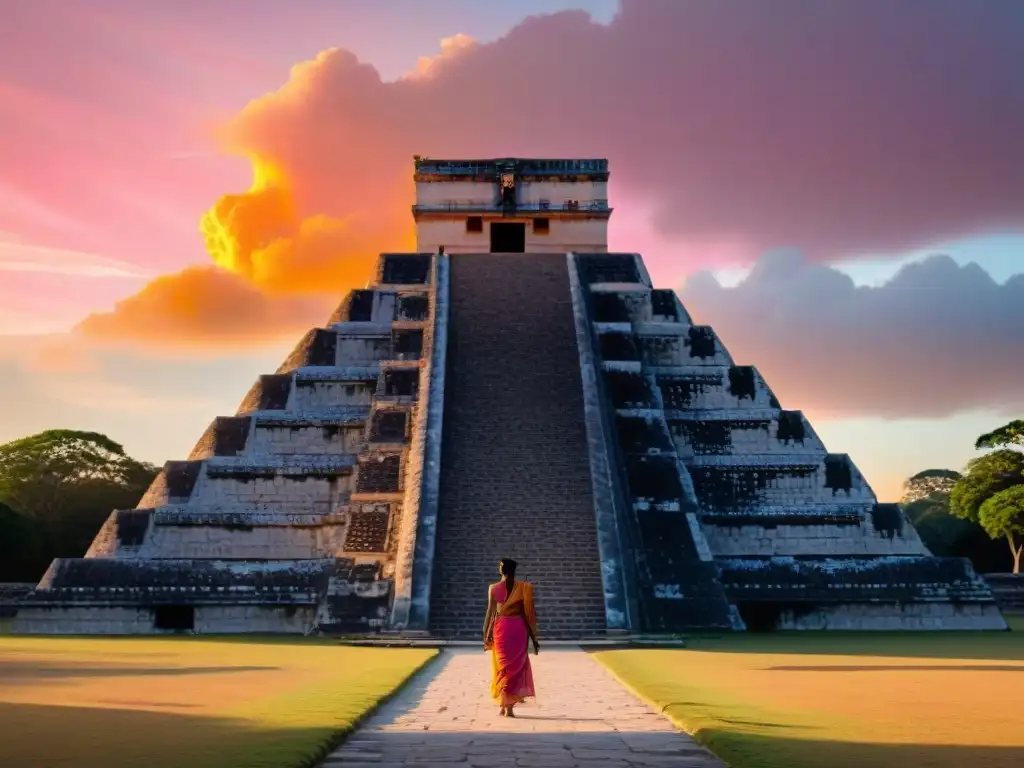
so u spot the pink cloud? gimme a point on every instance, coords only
(934, 340)
(840, 128)
(836, 127)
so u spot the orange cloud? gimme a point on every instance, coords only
(427, 66)
(204, 307)
(706, 129)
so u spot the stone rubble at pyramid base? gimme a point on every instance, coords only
(317, 506)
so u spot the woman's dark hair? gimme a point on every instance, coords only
(508, 566)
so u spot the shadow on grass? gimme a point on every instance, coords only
(246, 639)
(896, 668)
(995, 646)
(746, 750)
(127, 736)
(34, 735)
(29, 671)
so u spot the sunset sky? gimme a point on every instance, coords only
(838, 188)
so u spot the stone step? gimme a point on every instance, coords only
(191, 581)
(639, 306)
(331, 348)
(900, 579)
(294, 465)
(329, 430)
(378, 305)
(738, 484)
(515, 472)
(665, 345)
(400, 271)
(811, 513)
(337, 373)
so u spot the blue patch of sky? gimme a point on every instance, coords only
(1001, 255)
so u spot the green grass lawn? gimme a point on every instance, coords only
(843, 700)
(195, 702)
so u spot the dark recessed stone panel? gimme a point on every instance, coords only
(639, 435)
(702, 341)
(654, 478)
(629, 390)
(368, 530)
(269, 393)
(609, 268)
(407, 344)
(180, 478)
(791, 427)
(406, 269)
(380, 474)
(412, 307)
(888, 520)
(838, 472)
(619, 347)
(401, 382)
(230, 435)
(706, 438)
(679, 392)
(389, 426)
(131, 526)
(663, 304)
(731, 488)
(360, 308)
(742, 382)
(319, 347)
(610, 308)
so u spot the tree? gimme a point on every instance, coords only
(926, 505)
(929, 482)
(67, 482)
(1003, 515)
(38, 474)
(21, 547)
(986, 479)
(1006, 435)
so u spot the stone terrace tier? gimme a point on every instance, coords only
(553, 408)
(726, 498)
(297, 499)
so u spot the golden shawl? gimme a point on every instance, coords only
(522, 592)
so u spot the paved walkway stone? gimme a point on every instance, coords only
(582, 718)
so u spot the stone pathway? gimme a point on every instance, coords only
(582, 717)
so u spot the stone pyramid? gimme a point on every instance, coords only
(550, 406)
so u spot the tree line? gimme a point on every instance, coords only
(967, 514)
(56, 489)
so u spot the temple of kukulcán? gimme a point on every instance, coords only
(511, 390)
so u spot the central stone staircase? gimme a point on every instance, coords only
(515, 473)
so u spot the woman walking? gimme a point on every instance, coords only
(509, 624)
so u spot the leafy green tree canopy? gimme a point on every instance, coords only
(994, 479)
(1008, 434)
(1003, 515)
(39, 473)
(59, 486)
(21, 545)
(927, 483)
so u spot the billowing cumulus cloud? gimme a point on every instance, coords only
(840, 128)
(203, 308)
(936, 339)
(832, 127)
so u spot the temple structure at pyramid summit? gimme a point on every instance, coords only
(511, 390)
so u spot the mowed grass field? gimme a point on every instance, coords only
(845, 700)
(194, 702)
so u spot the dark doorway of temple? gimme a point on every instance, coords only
(508, 237)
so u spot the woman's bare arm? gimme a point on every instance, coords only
(489, 614)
